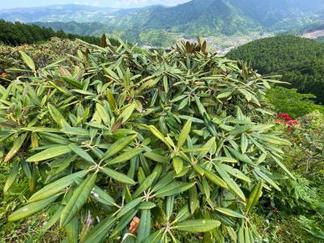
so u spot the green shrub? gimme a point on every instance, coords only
(290, 101)
(129, 145)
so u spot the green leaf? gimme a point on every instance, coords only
(193, 199)
(146, 205)
(102, 196)
(57, 186)
(118, 146)
(239, 156)
(155, 237)
(118, 176)
(128, 155)
(126, 114)
(224, 95)
(148, 181)
(266, 178)
(129, 206)
(15, 147)
(79, 151)
(72, 230)
(28, 61)
(177, 164)
(254, 196)
(230, 182)
(144, 228)
(57, 116)
(166, 180)
(159, 135)
(50, 153)
(174, 188)
(199, 225)
(100, 231)
(244, 143)
(215, 179)
(229, 212)
(78, 199)
(156, 157)
(184, 133)
(235, 172)
(30, 209)
(123, 222)
(12, 176)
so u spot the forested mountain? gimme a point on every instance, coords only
(197, 17)
(300, 61)
(17, 34)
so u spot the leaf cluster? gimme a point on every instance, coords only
(181, 140)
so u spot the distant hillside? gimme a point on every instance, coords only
(17, 34)
(197, 17)
(300, 61)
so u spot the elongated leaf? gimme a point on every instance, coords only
(174, 189)
(12, 176)
(199, 225)
(230, 183)
(129, 206)
(254, 196)
(79, 151)
(166, 180)
(123, 222)
(154, 237)
(57, 186)
(239, 156)
(78, 199)
(30, 209)
(118, 146)
(224, 95)
(15, 147)
(57, 116)
(72, 230)
(144, 228)
(244, 143)
(177, 164)
(184, 133)
(99, 232)
(266, 178)
(50, 153)
(128, 155)
(193, 199)
(235, 172)
(159, 135)
(215, 179)
(230, 212)
(28, 61)
(156, 157)
(126, 114)
(147, 182)
(102, 196)
(118, 176)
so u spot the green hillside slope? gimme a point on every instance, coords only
(17, 34)
(300, 61)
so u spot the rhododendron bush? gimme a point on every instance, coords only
(123, 144)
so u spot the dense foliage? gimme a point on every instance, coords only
(43, 54)
(296, 213)
(290, 101)
(17, 33)
(300, 61)
(127, 144)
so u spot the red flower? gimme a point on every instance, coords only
(284, 118)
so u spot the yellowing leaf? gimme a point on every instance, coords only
(28, 61)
